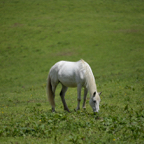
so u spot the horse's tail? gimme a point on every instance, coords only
(50, 93)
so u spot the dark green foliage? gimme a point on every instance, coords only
(81, 125)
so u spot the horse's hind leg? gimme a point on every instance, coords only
(62, 95)
(85, 95)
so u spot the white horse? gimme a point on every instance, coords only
(73, 74)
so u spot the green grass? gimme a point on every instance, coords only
(35, 34)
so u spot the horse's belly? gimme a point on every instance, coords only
(68, 81)
(69, 84)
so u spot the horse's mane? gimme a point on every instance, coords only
(90, 80)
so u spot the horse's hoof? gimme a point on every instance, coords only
(53, 109)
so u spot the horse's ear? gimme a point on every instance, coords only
(94, 94)
(99, 93)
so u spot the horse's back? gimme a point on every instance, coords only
(68, 73)
(63, 66)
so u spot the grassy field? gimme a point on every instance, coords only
(35, 34)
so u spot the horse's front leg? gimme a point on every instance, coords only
(79, 96)
(85, 95)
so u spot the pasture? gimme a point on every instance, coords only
(35, 34)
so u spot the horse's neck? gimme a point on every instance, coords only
(90, 80)
(91, 85)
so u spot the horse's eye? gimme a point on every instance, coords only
(94, 101)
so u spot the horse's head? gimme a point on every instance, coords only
(95, 101)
